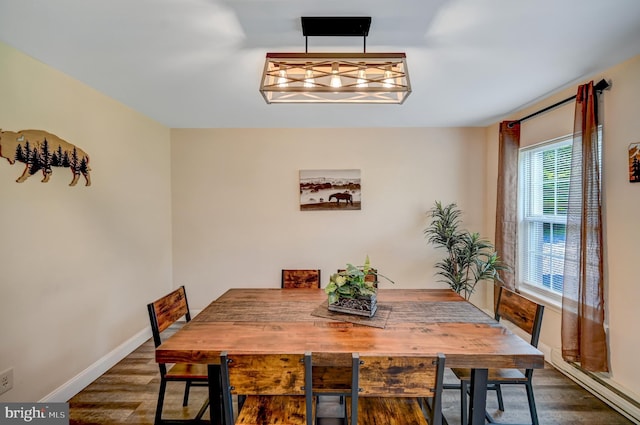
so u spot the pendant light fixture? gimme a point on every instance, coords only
(335, 77)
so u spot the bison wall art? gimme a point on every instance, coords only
(41, 151)
(634, 163)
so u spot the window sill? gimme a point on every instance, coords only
(539, 297)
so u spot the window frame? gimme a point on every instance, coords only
(524, 220)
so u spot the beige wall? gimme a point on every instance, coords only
(621, 207)
(236, 216)
(78, 263)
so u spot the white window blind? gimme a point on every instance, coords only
(544, 173)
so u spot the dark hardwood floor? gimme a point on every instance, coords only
(127, 394)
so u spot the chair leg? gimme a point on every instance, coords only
(532, 404)
(499, 395)
(202, 410)
(187, 387)
(488, 418)
(464, 411)
(163, 387)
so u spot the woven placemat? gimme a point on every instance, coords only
(379, 320)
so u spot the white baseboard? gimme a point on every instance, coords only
(607, 390)
(94, 371)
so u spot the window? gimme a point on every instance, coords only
(544, 173)
(543, 194)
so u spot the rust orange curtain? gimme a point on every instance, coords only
(583, 334)
(507, 201)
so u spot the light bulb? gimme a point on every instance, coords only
(309, 81)
(282, 78)
(335, 82)
(388, 79)
(362, 78)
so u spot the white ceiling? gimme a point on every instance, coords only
(197, 63)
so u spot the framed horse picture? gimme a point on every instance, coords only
(330, 190)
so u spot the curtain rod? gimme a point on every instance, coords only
(602, 85)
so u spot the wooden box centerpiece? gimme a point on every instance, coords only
(354, 290)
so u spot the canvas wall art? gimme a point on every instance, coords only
(330, 190)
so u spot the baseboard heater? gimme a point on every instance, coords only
(600, 386)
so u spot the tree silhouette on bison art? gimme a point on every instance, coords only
(40, 151)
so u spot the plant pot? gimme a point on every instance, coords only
(361, 306)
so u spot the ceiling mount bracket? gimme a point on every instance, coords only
(335, 26)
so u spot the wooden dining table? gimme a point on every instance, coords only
(409, 322)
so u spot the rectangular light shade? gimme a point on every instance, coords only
(335, 78)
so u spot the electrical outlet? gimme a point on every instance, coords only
(6, 380)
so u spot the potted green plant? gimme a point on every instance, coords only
(469, 259)
(349, 291)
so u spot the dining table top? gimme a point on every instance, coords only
(409, 322)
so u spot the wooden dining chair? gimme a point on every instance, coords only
(526, 315)
(389, 390)
(332, 374)
(277, 388)
(163, 313)
(300, 278)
